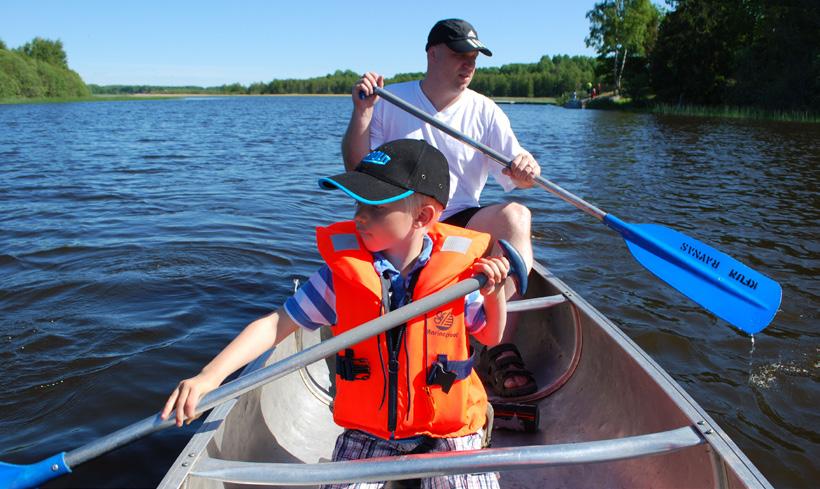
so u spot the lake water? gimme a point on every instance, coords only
(137, 238)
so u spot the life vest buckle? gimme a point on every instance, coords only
(439, 375)
(350, 368)
(445, 372)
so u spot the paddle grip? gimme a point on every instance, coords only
(518, 269)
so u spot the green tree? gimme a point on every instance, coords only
(257, 88)
(739, 52)
(620, 29)
(46, 50)
(694, 55)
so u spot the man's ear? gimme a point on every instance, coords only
(432, 53)
(425, 216)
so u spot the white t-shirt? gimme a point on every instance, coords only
(474, 115)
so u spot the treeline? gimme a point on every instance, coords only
(746, 53)
(38, 69)
(739, 52)
(551, 76)
(155, 89)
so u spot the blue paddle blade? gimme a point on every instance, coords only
(729, 289)
(33, 475)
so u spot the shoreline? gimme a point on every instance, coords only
(526, 100)
(624, 104)
(151, 96)
(606, 103)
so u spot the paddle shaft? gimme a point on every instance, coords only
(279, 369)
(495, 155)
(726, 287)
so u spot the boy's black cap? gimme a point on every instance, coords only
(459, 36)
(396, 170)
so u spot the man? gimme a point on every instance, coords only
(452, 48)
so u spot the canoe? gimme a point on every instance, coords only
(609, 417)
(574, 103)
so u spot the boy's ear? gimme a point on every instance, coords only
(426, 215)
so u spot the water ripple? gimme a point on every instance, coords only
(139, 237)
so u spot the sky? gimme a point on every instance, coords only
(210, 43)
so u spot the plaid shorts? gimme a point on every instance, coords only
(356, 445)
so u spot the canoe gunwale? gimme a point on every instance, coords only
(447, 463)
(179, 472)
(728, 453)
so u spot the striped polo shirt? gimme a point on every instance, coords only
(314, 304)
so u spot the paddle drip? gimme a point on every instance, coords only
(751, 356)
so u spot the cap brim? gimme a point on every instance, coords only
(365, 188)
(467, 45)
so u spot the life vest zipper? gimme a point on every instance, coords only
(394, 342)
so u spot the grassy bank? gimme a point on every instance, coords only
(525, 100)
(722, 111)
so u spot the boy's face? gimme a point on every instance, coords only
(384, 226)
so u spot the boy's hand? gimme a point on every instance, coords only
(496, 269)
(186, 397)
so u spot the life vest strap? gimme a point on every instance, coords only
(445, 372)
(350, 368)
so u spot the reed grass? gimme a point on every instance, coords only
(734, 112)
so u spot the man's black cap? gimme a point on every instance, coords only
(459, 36)
(394, 171)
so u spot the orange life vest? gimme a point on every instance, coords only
(398, 399)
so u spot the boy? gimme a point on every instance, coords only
(412, 389)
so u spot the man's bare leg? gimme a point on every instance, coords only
(510, 221)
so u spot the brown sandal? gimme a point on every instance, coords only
(495, 371)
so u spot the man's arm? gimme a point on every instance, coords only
(356, 141)
(524, 168)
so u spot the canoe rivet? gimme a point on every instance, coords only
(192, 454)
(55, 468)
(701, 422)
(708, 432)
(184, 464)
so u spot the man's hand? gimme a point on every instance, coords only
(367, 84)
(523, 170)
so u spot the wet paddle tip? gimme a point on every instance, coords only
(33, 475)
(518, 269)
(729, 289)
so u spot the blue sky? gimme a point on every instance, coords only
(211, 43)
